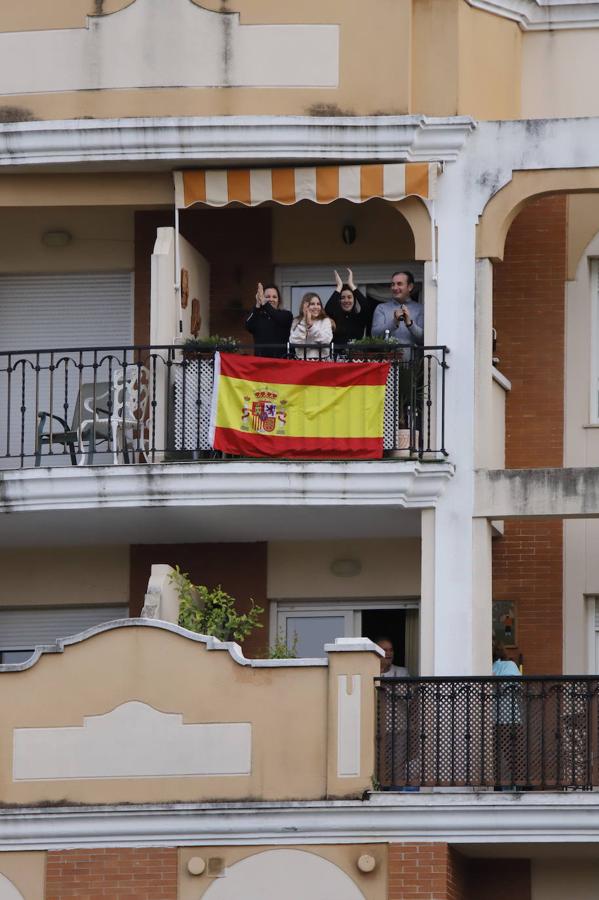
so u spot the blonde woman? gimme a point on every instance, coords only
(312, 330)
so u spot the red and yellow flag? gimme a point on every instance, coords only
(290, 409)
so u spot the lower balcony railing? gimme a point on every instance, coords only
(152, 404)
(530, 733)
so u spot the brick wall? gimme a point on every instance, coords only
(118, 874)
(440, 872)
(529, 317)
(425, 872)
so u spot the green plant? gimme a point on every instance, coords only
(280, 649)
(213, 612)
(374, 343)
(213, 342)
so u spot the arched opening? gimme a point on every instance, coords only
(293, 874)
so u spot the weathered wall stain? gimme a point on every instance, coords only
(15, 114)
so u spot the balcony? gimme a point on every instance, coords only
(151, 404)
(528, 733)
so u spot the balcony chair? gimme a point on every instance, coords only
(62, 434)
(123, 423)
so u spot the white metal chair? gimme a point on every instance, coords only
(124, 423)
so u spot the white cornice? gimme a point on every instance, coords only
(406, 484)
(220, 140)
(456, 818)
(544, 15)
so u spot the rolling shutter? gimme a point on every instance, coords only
(47, 312)
(26, 628)
(80, 309)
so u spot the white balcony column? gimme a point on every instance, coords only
(456, 550)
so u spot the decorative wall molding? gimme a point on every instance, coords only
(544, 15)
(132, 741)
(211, 643)
(341, 645)
(349, 727)
(455, 818)
(153, 44)
(224, 139)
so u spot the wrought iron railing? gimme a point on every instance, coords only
(152, 404)
(533, 733)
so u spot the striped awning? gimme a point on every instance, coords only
(321, 184)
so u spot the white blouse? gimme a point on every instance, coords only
(320, 332)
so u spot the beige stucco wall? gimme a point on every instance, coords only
(301, 569)
(559, 73)
(559, 879)
(439, 57)
(363, 87)
(26, 871)
(489, 65)
(63, 577)
(465, 61)
(132, 189)
(311, 233)
(170, 675)
(102, 239)
(373, 885)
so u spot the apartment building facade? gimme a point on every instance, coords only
(158, 159)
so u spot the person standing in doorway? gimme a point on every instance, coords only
(388, 667)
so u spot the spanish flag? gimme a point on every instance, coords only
(288, 409)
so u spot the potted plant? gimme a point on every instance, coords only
(202, 347)
(214, 611)
(375, 348)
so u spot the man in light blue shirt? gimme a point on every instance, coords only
(401, 316)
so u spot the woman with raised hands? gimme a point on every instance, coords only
(348, 308)
(268, 323)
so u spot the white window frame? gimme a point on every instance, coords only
(288, 277)
(351, 609)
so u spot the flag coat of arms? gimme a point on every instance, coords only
(295, 409)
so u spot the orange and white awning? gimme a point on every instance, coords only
(321, 184)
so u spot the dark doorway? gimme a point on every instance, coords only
(389, 623)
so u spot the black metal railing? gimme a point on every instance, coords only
(102, 405)
(532, 733)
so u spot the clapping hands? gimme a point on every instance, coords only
(339, 280)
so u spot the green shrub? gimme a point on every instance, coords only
(213, 612)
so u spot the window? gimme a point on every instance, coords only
(371, 278)
(313, 623)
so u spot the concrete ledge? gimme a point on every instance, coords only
(458, 818)
(226, 138)
(402, 483)
(514, 493)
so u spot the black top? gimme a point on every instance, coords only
(269, 326)
(349, 326)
